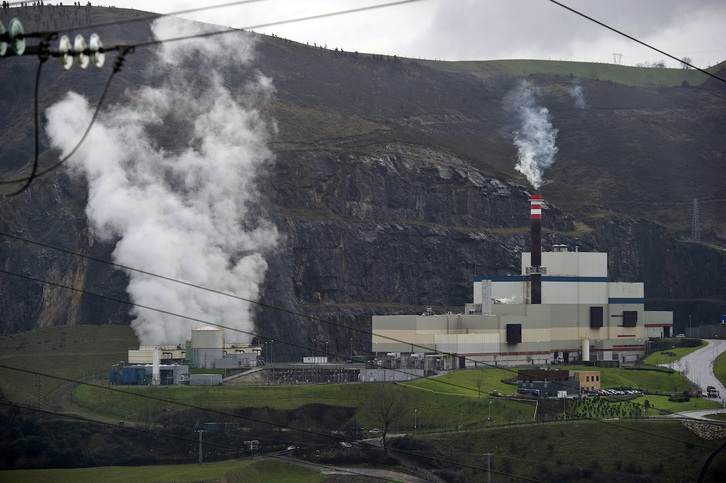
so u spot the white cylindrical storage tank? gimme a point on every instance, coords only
(207, 345)
(586, 350)
(155, 370)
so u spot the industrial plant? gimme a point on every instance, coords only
(560, 309)
(165, 365)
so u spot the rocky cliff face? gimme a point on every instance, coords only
(411, 228)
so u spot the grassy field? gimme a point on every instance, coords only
(439, 405)
(666, 357)
(452, 401)
(452, 409)
(606, 451)
(236, 470)
(719, 368)
(621, 74)
(68, 352)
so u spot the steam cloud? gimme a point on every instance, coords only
(577, 95)
(535, 139)
(186, 211)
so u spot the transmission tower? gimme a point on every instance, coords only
(695, 226)
(617, 58)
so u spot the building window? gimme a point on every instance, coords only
(514, 333)
(630, 318)
(596, 318)
(587, 378)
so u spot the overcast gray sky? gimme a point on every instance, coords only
(485, 29)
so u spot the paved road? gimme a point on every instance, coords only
(351, 472)
(697, 367)
(699, 414)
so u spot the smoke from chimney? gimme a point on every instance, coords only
(535, 138)
(189, 210)
(577, 94)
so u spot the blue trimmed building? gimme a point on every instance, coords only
(582, 317)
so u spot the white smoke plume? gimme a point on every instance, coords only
(535, 139)
(578, 95)
(187, 211)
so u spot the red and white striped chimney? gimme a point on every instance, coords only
(535, 203)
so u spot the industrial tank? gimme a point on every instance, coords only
(207, 346)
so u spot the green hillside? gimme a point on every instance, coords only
(620, 74)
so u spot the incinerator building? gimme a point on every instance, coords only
(560, 309)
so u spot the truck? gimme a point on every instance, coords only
(711, 391)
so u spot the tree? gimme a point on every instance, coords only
(479, 381)
(686, 62)
(386, 405)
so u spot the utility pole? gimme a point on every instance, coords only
(489, 466)
(200, 431)
(39, 388)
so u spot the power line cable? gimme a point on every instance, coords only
(158, 15)
(194, 441)
(251, 333)
(106, 423)
(435, 379)
(365, 332)
(287, 426)
(636, 40)
(126, 48)
(215, 33)
(234, 329)
(118, 62)
(233, 415)
(274, 23)
(268, 24)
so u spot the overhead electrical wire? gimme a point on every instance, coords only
(219, 412)
(602, 421)
(370, 333)
(235, 329)
(333, 436)
(365, 332)
(339, 325)
(269, 24)
(303, 430)
(118, 62)
(129, 48)
(126, 48)
(591, 19)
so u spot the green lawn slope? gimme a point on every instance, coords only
(235, 470)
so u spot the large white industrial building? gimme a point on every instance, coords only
(560, 309)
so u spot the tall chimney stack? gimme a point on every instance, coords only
(536, 270)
